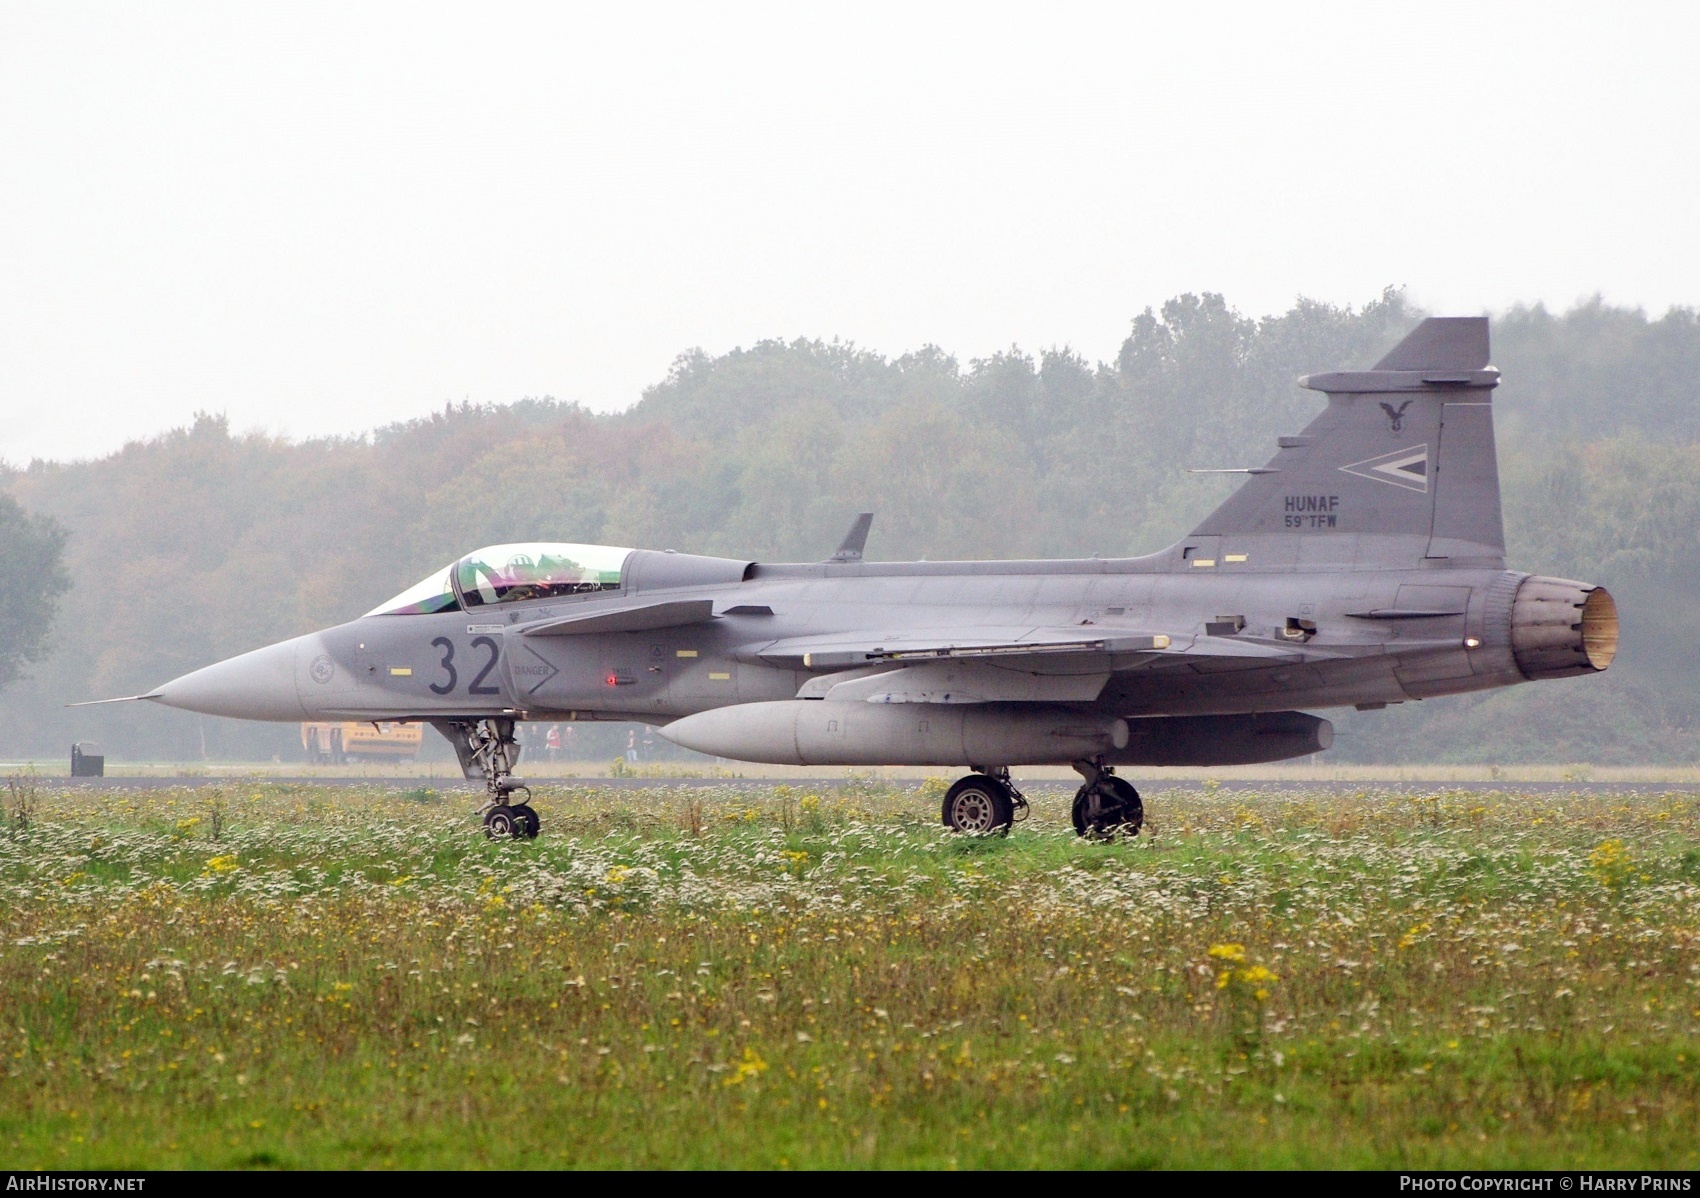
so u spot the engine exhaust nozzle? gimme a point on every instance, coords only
(1561, 628)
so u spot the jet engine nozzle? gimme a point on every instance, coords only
(1561, 628)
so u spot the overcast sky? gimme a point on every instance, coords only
(319, 218)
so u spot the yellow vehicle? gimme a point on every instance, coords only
(335, 744)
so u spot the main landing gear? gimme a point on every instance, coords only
(488, 747)
(1106, 806)
(984, 803)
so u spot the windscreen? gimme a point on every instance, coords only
(425, 598)
(514, 573)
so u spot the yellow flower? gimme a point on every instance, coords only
(1610, 863)
(1252, 979)
(751, 1066)
(617, 875)
(223, 865)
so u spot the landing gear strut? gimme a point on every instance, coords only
(487, 749)
(984, 804)
(1105, 806)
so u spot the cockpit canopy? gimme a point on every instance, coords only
(511, 574)
(433, 595)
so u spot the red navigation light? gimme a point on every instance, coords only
(613, 679)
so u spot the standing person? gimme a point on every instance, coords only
(631, 747)
(552, 741)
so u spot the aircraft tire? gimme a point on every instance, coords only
(1120, 812)
(978, 805)
(500, 824)
(526, 823)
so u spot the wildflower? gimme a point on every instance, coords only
(1610, 863)
(751, 1067)
(1239, 978)
(1260, 979)
(223, 864)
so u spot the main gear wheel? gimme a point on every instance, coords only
(980, 805)
(1108, 806)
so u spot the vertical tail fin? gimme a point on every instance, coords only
(1399, 468)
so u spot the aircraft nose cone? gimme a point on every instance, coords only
(254, 686)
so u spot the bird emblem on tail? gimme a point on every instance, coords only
(1396, 415)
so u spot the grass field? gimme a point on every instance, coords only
(264, 976)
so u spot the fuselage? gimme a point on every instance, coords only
(1350, 638)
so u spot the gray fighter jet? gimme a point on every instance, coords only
(1363, 565)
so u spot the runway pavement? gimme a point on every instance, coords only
(1154, 785)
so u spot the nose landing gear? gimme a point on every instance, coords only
(487, 749)
(1105, 806)
(984, 804)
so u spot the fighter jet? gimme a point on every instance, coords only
(1362, 566)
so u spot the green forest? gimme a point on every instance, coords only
(204, 542)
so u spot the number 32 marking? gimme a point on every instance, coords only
(452, 676)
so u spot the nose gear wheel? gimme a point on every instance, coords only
(526, 823)
(516, 821)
